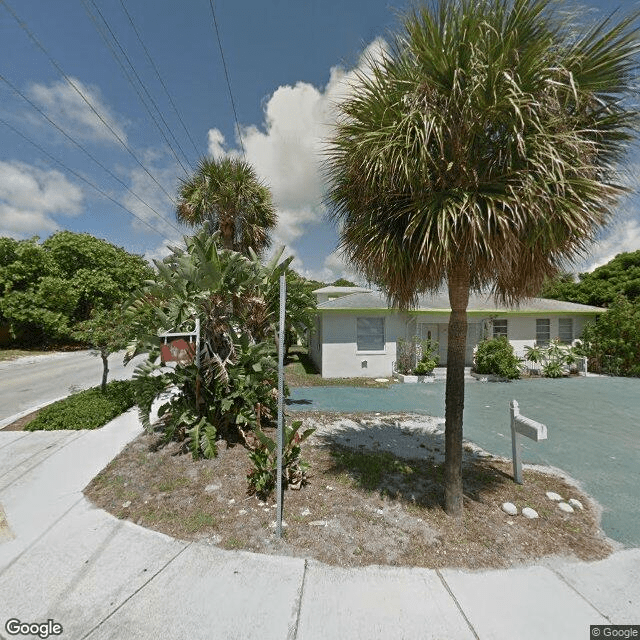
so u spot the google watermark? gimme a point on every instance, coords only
(614, 631)
(15, 627)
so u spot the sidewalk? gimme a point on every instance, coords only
(99, 577)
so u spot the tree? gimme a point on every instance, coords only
(106, 332)
(477, 152)
(45, 289)
(227, 194)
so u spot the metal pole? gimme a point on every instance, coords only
(198, 343)
(515, 448)
(283, 297)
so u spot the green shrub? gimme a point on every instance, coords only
(88, 409)
(496, 357)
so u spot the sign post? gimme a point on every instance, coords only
(521, 426)
(279, 445)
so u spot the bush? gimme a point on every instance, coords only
(88, 409)
(496, 357)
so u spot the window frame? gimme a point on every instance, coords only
(383, 336)
(502, 331)
(571, 326)
(544, 341)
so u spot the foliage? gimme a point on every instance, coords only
(262, 478)
(88, 409)
(601, 287)
(235, 297)
(416, 356)
(45, 289)
(106, 332)
(343, 282)
(228, 195)
(556, 359)
(471, 153)
(612, 343)
(496, 356)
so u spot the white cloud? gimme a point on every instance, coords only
(287, 149)
(65, 106)
(29, 196)
(623, 237)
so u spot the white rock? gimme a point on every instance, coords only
(232, 501)
(126, 504)
(210, 488)
(274, 524)
(556, 497)
(563, 506)
(305, 512)
(318, 523)
(379, 511)
(510, 508)
(242, 512)
(576, 504)
(382, 379)
(530, 513)
(329, 488)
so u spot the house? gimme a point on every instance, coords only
(356, 331)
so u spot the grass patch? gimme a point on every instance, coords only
(300, 371)
(88, 409)
(12, 354)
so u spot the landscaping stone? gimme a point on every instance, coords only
(567, 508)
(576, 504)
(510, 508)
(530, 513)
(556, 497)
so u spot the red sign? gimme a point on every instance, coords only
(178, 350)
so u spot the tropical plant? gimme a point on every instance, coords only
(556, 359)
(228, 195)
(262, 478)
(495, 356)
(234, 388)
(477, 151)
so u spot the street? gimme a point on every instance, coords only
(35, 380)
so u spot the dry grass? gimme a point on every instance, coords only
(361, 505)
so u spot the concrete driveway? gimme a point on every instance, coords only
(64, 561)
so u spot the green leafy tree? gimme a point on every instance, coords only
(47, 288)
(612, 343)
(229, 196)
(477, 152)
(106, 332)
(495, 356)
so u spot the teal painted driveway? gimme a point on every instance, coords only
(593, 428)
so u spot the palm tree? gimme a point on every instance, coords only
(228, 194)
(476, 153)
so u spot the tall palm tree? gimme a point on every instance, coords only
(228, 194)
(478, 152)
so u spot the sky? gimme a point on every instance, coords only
(105, 105)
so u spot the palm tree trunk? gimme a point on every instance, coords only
(454, 399)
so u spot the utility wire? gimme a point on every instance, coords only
(132, 83)
(84, 98)
(90, 155)
(80, 177)
(226, 73)
(155, 68)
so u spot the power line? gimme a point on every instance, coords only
(155, 68)
(226, 74)
(132, 83)
(84, 98)
(80, 177)
(84, 150)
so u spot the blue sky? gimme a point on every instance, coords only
(288, 62)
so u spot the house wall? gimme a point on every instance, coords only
(521, 329)
(333, 346)
(340, 357)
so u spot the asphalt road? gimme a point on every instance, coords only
(32, 381)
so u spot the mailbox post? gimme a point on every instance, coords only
(522, 426)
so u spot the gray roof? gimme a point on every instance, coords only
(343, 290)
(440, 302)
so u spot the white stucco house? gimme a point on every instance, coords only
(356, 331)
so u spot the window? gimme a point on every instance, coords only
(499, 328)
(370, 334)
(565, 330)
(543, 331)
